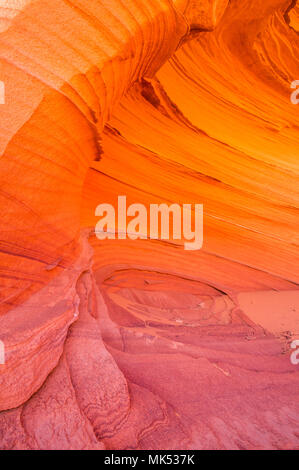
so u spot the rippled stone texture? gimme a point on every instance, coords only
(140, 344)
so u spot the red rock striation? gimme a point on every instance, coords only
(122, 344)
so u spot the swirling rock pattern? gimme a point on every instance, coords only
(139, 344)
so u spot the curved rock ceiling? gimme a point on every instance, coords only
(123, 344)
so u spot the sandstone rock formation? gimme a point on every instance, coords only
(123, 344)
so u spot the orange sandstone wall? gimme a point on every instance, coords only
(122, 344)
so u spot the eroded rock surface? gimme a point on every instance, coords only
(140, 344)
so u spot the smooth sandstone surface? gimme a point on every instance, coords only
(122, 344)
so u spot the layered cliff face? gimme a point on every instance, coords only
(141, 344)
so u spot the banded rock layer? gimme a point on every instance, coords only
(141, 344)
